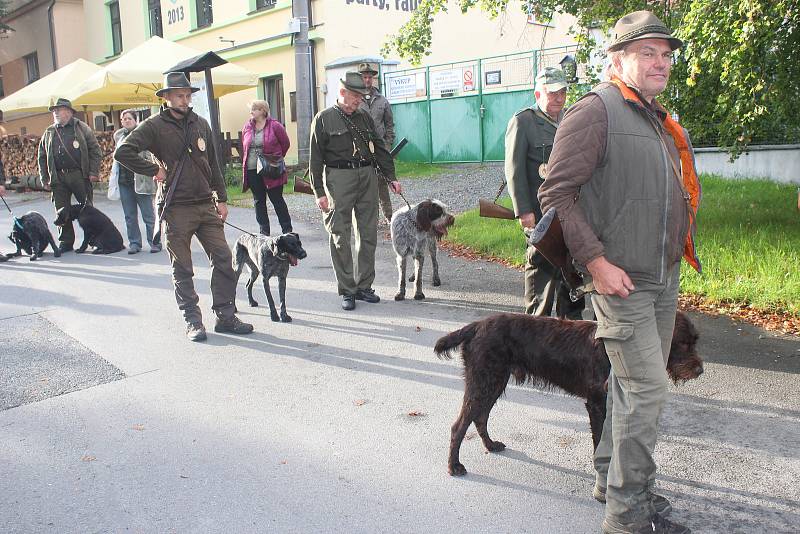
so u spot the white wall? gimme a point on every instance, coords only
(780, 163)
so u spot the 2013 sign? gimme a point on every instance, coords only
(175, 15)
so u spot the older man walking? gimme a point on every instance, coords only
(529, 141)
(345, 155)
(191, 199)
(69, 161)
(633, 220)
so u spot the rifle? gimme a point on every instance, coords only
(548, 238)
(301, 185)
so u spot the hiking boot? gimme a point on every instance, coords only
(348, 302)
(657, 524)
(367, 295)
(155, 248)
(232, 325)
(660, 504)
(63, 247)
(196, 332)
(134, 248)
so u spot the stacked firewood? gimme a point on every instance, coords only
(19, 154)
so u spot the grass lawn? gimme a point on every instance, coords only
(407, 169)
(233, 177)
(748, 242)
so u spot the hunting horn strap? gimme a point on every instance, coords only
(500, 191)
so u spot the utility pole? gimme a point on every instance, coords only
(301, 10)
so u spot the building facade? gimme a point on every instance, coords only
(260, 35)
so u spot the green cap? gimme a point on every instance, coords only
(353, 81)
(552, 79)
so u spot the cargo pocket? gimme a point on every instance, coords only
(615, 336)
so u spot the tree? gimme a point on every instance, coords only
(736, 82)
(4, 28)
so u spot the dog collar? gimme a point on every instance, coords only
(18, 223)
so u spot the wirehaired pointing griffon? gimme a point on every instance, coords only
(547, 352)
(414, 231)
(268, 256)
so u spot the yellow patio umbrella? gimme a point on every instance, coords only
(134, 78)
(44, 92)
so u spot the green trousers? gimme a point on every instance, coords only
(62, 189)
(353, 202)
(637, 333)
(181, 223)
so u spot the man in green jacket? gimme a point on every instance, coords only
(344, 150)
(191, 199)
(529, 140)
(69, 161)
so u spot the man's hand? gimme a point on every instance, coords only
(222, 209)
(161, 175)
(93, 178)
(396, 187)
(608, 278)
(527, 220)
(322, 204)
(2, 190)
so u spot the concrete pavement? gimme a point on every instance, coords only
(306, 426)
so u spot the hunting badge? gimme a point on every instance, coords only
(543, 170)
(201, 144)
(75, 144)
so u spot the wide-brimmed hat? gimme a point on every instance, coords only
(62, 103)
(176, 80)
(552, 79)
(353, 81)
(366, 68)
(640, 25)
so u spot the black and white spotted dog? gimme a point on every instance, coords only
(269, 256)
(415, 231)
(31, 234)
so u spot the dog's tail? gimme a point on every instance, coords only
(453, 340)
(239, 256)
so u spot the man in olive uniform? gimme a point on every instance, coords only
(380, 110)
(69, 161)
(529, 140)
(189, 178)
(344, 152)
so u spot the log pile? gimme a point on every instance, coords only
(19, 154)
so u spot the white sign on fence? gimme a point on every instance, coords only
(401, 86)
(446, 81)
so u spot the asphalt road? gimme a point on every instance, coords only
(111, 421)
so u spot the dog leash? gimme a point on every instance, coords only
(17, 222)
(240, 229)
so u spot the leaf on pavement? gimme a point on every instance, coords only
(88, 458)
(138, 427)
(416, 413)
(360, 402)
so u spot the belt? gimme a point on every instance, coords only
(65, 171)
(349, 164)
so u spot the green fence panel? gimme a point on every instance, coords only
(412, 121)
(498, 110)
(456, 129)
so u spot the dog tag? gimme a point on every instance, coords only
(543, 170)
(201, 144)
(371, 147)
(354, 148)
(75, 143)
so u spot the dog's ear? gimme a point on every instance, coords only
(424, 215)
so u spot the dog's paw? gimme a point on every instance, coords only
(400, 296)
(457, 470)
(411, 278)
(286, 318)
(253, 304)
(496, 446)
(80, 250)
(33, 258)
(419, 296)
(436, 282)
(57, 253)
(275, 317)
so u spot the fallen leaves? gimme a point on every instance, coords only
(784, 323)
(463, 251)
(88, 458)
(137, 427)
(416, 413)
(360, 402)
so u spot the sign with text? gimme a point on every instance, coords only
(405, 85)
(175, 17)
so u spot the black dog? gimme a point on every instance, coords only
(546, 352)
(98, 230)
(31, 234)
(269, 256)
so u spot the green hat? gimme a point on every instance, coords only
(175, 80)
(640, 25)
(552, 79)
(353, 81)
(366, 68)
(62, 103)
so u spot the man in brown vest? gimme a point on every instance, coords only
(627, 230)
(189, 178)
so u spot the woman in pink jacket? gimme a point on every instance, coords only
(263, 135)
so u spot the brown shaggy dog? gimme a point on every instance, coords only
(545, 352)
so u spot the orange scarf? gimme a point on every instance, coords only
(689, 176)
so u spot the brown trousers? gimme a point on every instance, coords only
(181, 222)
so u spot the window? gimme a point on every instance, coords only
(205, 14)
(116, 28)
(32, 65)
(265, 4)
(154, 12)
(273, 94)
